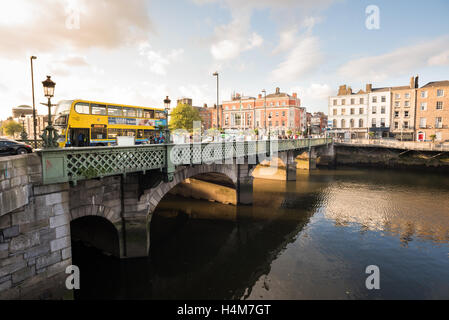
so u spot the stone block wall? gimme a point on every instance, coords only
(34, 231)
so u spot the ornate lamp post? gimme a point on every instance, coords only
(265, 107)
(34, 107)
(218, 106)
(50, 135)
(23, 135)
(167, 102)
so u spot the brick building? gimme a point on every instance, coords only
(205, 112)
(283, 113)
(432, 112)
(403, 110)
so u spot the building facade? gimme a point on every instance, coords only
(403, 110)
(432, 112)
(348, 113)
(278, 112)
(379, 111)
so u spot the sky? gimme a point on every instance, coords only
(137, 52)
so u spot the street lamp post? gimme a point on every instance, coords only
(34, 106)
(23, 135)
(167, 102)
(265, 109)
(218, 106)
(50, 135)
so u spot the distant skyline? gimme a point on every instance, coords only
(138, 52)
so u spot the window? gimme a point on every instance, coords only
(423, 106)
(423, 94)
(98, 131)
(277, 114)
(343, 123)
(139, 113)
(384, 99)
(238, 119)
(334, 112)
(374, 111)
(334, 123)
(335, 102)
(407, 103)
(360, 123)
(397, 96)
(98, 109)
(283, 123)
(440, 93)
(374, 99)
(361, 111)
(343, 102)
(422, 123)
(129, 112)
(82, 108)
(352, 101)
(113, 133)
(227, 120)
(438, 122)
(382, 122)
(352, 111)
(114, 111)
(406, 114)
(407, 96)
(396, 114)
(149, 114)
(373, 122)
(139, 134)
(343, 111)
(405, 126)
(283, 113)
(129, 132)
(382, 110)
(361, 100)
(396, 125)
(277, 104)
(352, 123)
(277, 123)
(159, 114)
(439, 105)
(396, 104)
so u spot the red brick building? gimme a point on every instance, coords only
(278, 112)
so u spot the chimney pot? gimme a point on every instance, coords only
(278, 90)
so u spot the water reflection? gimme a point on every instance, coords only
(305, 239)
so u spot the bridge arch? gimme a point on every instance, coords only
(98, 232)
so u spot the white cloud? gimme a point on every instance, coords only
(301, 60)
(315, 91)
(158, 62)
(401, 61)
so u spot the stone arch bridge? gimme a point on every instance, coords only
(49, 197)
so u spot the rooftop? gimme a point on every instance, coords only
(444, 83)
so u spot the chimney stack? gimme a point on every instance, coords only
(259, 96)
(412, 82)
(369, 87)
(295, 95)
(342, 90)
(278, 90)
(416, 82)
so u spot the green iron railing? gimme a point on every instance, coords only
(73, 164)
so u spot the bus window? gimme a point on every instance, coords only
(139, 133)
(147, 133)
(129, 132)
(139, 113)
(149, 114)
(82, 107)
(160, 115)
(98, 109)
(114, 111)
(114, 132)
(98, 131)
(129, 112)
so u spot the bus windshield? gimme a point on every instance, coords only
(62, 112)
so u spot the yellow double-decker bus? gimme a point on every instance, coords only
(90, 123)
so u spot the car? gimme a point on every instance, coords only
(11, 147)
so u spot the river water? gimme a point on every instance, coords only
(307, 239)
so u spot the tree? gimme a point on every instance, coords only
(11, 127)
(183, 116)
(433, 137)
